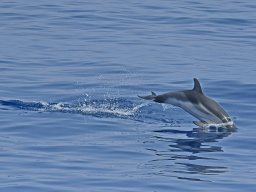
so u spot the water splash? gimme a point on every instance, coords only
(218, 125)
(101, 108)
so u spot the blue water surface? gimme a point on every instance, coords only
(70, 118)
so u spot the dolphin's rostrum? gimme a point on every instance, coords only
(208, 111)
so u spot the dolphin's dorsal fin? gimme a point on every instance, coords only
(197, 86)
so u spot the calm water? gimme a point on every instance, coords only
(70, 118)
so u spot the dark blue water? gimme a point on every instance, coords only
(70, 118)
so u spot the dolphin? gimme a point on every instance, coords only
(195, 102)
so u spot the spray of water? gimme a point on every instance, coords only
(100, 108)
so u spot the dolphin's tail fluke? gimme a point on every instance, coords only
(148, 97)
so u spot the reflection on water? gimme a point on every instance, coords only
(193, 168)
(196, 141)
(186, 152)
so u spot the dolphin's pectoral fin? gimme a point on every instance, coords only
(148, 97)
(200, 123)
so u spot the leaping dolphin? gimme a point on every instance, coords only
(208, 111)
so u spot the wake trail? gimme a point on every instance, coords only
(101, 108)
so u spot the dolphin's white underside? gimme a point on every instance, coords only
(198, 110)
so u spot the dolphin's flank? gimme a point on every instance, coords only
(208, 111)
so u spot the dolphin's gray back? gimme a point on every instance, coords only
(197, 104)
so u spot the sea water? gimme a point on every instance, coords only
(70, 118)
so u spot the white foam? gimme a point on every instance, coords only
(166, 106)
(104, 109)
(58, 106)
(219, 125)
(110, 109)
(136, 108)
(93, 108)
(44, 103)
